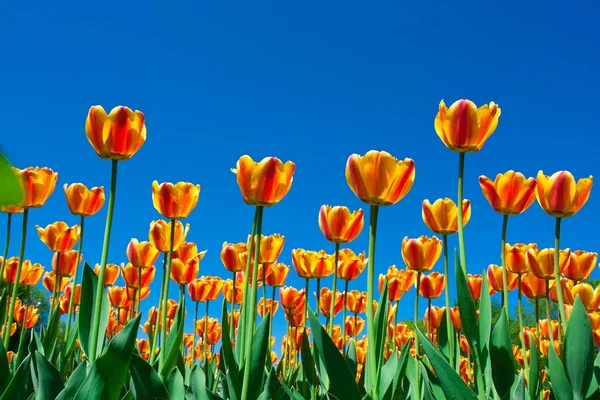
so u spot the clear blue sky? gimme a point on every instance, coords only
(312, 83)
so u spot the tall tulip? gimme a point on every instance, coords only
(230, 257)
(378, 179)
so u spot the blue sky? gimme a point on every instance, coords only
(312, 83)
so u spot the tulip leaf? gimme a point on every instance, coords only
(272, 387)
(23, 350)
(4, 368)
(388, 373)
(173, 344)
(49, 339)
(534, 371)
(109, 372)
(198, 386)
(579, 350)
(518, 388)
(3, 306)
(89, 287)
(561, 387)
(351, 358)
(70, 346)
(17, 387)
(342, 383)
(49, 382)
(146, 383)
(442, 336)
(501, 357)
(293, 393)
(308, 363)
(484, 324)
(74, 383)
(260, 347)
(426, 392)
(381, 327)
(452, 384)
(468, 316)
(174, 383)
(12, 190)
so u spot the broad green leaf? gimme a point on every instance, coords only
(293, 393)
(173, 344)
(128, 396)
(342, 383)
(3, 306)
(4, 368)
(146, 384)
(518, 388)
(381, 327)
(561, 388)
(67, 351)
(534, 372)
(24, 348)
(74, 383)
(17, 387)
(426, 389)
(442, 336)
(388, 373)
(198, 386)
(49, 339)
(452, 384)
(501, 357)
(89, 286)
(579, 350)
(434, 384)
(468, 316)
(308, 363)
(50, 384)
(174, 383)
(271, 388)
(484, 324)
(351, 358)
(402, 365)
(12, 189)
(260, 347)
(109, 372)
(35, 344)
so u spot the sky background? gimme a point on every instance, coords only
(311, 82)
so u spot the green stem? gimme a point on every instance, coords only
(241, 342)
(429, 327)
(333, 290)
(396, 323)
(447, 295)
(271, 322)
(521, 333)
(537, 321)
(372, 366)
(13, 297)
(252, 306)
(548, 318)
(139, 290)
(75, 277)
(100, 289)
(231, 329)
(264, 290)
(158, 307)
(306, 300)
(415, 322)
(163, 314)
(8, 224)
(205, 337)
(344, 317)
(24, 324)
(504, 274)
(461, 227)
(57, 282)
(195, 334)
(317, 308)
(561, 307)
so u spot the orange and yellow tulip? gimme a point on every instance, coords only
(379, 179)
(160, 235)
(205, 288)
(276, 274)
(354, 325)
(559, 195)
(533, 287)
(110, 274)
(205, 326)
(465, 128)
(187, 251)
(325, 302)
(11, 209)
(239, 288)
(9, 274)
(291, 298)
(541, 262)
(83, 201)
(399, 282)
(589, 297)
(49, 280)
(455, 317)
(77, 297)
(117, 296)
(117, 135)
(64, 264)
(311, 264)
(422, 253)
(270, 306)
(130, 275)
(59, 236)
(230, 256)
(474, 282)
(32, 275)
(184, 272)
(339, 225)
(431, 285)
(510, 193)
(494, 277)
(141, 254)
(263, 183)
(356, 301)
(175, 201)
(581, 264)
(515, 257)
(437, 313)
(270, 247)
(351, 265)
(38, 184)
(26, 316)
(442, 216)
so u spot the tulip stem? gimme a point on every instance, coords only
(205, 337)
(241, 342)
(139, 290)
(271, 320)
(504, 274)
(100, 288)
(24, 322)
(344, 317)
(461, 227)
(163, 314)
(75, 276)
(264, 289)
(548, 317)
(520, 313)
(231, 329)
(252, 305)
(306, 299)
(13, 297)
(447, 295)
(415, 322)
(195, 334)
(157, 313)
(371, 364)
(537, 321)
(317, 308)
(333, 290)
(557, 273)
(8, 224)
(57, 282)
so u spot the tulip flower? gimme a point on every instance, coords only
(455, 317)
(111, 273)
(39, 183)
(431, 285)
(339, 225)
(433, 318)
(64, 264)
(541, 262)
(354, 326)
(559, 195)
(175, 201)
(290, 297)
(581, 264)
(351, 265)
(230, 256)
(59, 237)
(269, 305)
(26, 316)
(356, 301)
(422, 253)
(510, 193)
(141, 254)
(183, 273)
(83, 201)
(325, 302)
(11, 209)
(276, 274)
(442, 216)
(494, 277)
(589, 297)
(31, 275)
(270, 247)
(228, 289)
(10, 269)
(474, 282)
(117, 296)
(534, 287)
(49, 281)
(515, 257)
(160, 234)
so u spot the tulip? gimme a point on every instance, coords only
(83, 201)
(533, 287)
(230, 256)
(442, 216)
(541, 262)
(589, 297)
(515, 257)
(10, 269)
(269, 305)
(264, 183)
(183, 273)
(11, 209)
(351, 265)
(325, 302)
(559, 195)
(356, 301)
(175, 201)
(455, 317)
(290, 297)
(31, 275)
(421, 254)
(474, 283)
(141, 254)
(26, 316)
(111, 273)
(354, 325)
(581, 264)
(160, 235)
(494, 277)
(228, 289)
(77, 294)
(339, 225)
(276, 274)
(431, 285)
(59, 237)
(39, 183)
(118, 297)
(510, 193)
(49, 281)
(270, 247)
(433, 318)
(64, 264)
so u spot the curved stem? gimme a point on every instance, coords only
(344, 317)
(100, 289)
(241, 342)
(521, 333)
(163, 333)
(13, 297)
(504, 274)
(561, 306)
(75, 277)
(461, 227)
(415, 322)
(252, 306)
(158, 307)
(447, 295)
(333, 290)
(372, 367)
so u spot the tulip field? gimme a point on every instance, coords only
(100, 343)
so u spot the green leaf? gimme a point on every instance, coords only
(198, 386)
(109, 371)
(173, 344)
(442, 338)
(271, 387)
(89, 286)
(351, 358)
(49, 339)
(74, 383)
(579, 350)
(294, 395)
(501, 357)
(452, 384)
(67, 351)
(388, 373)
(4, 368)
(381, 327)
(128, 396)
(35, 344)
(308, 363)
(518, 388)
(17, 387)
(426, 390)
(3, 306)
(146, 384)
(561, 388)
(12, 189)
(342, 383)
(49, 384)
(260, 347)
(174, 384)
(534, 371)
(484, 324)
(468, 316)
